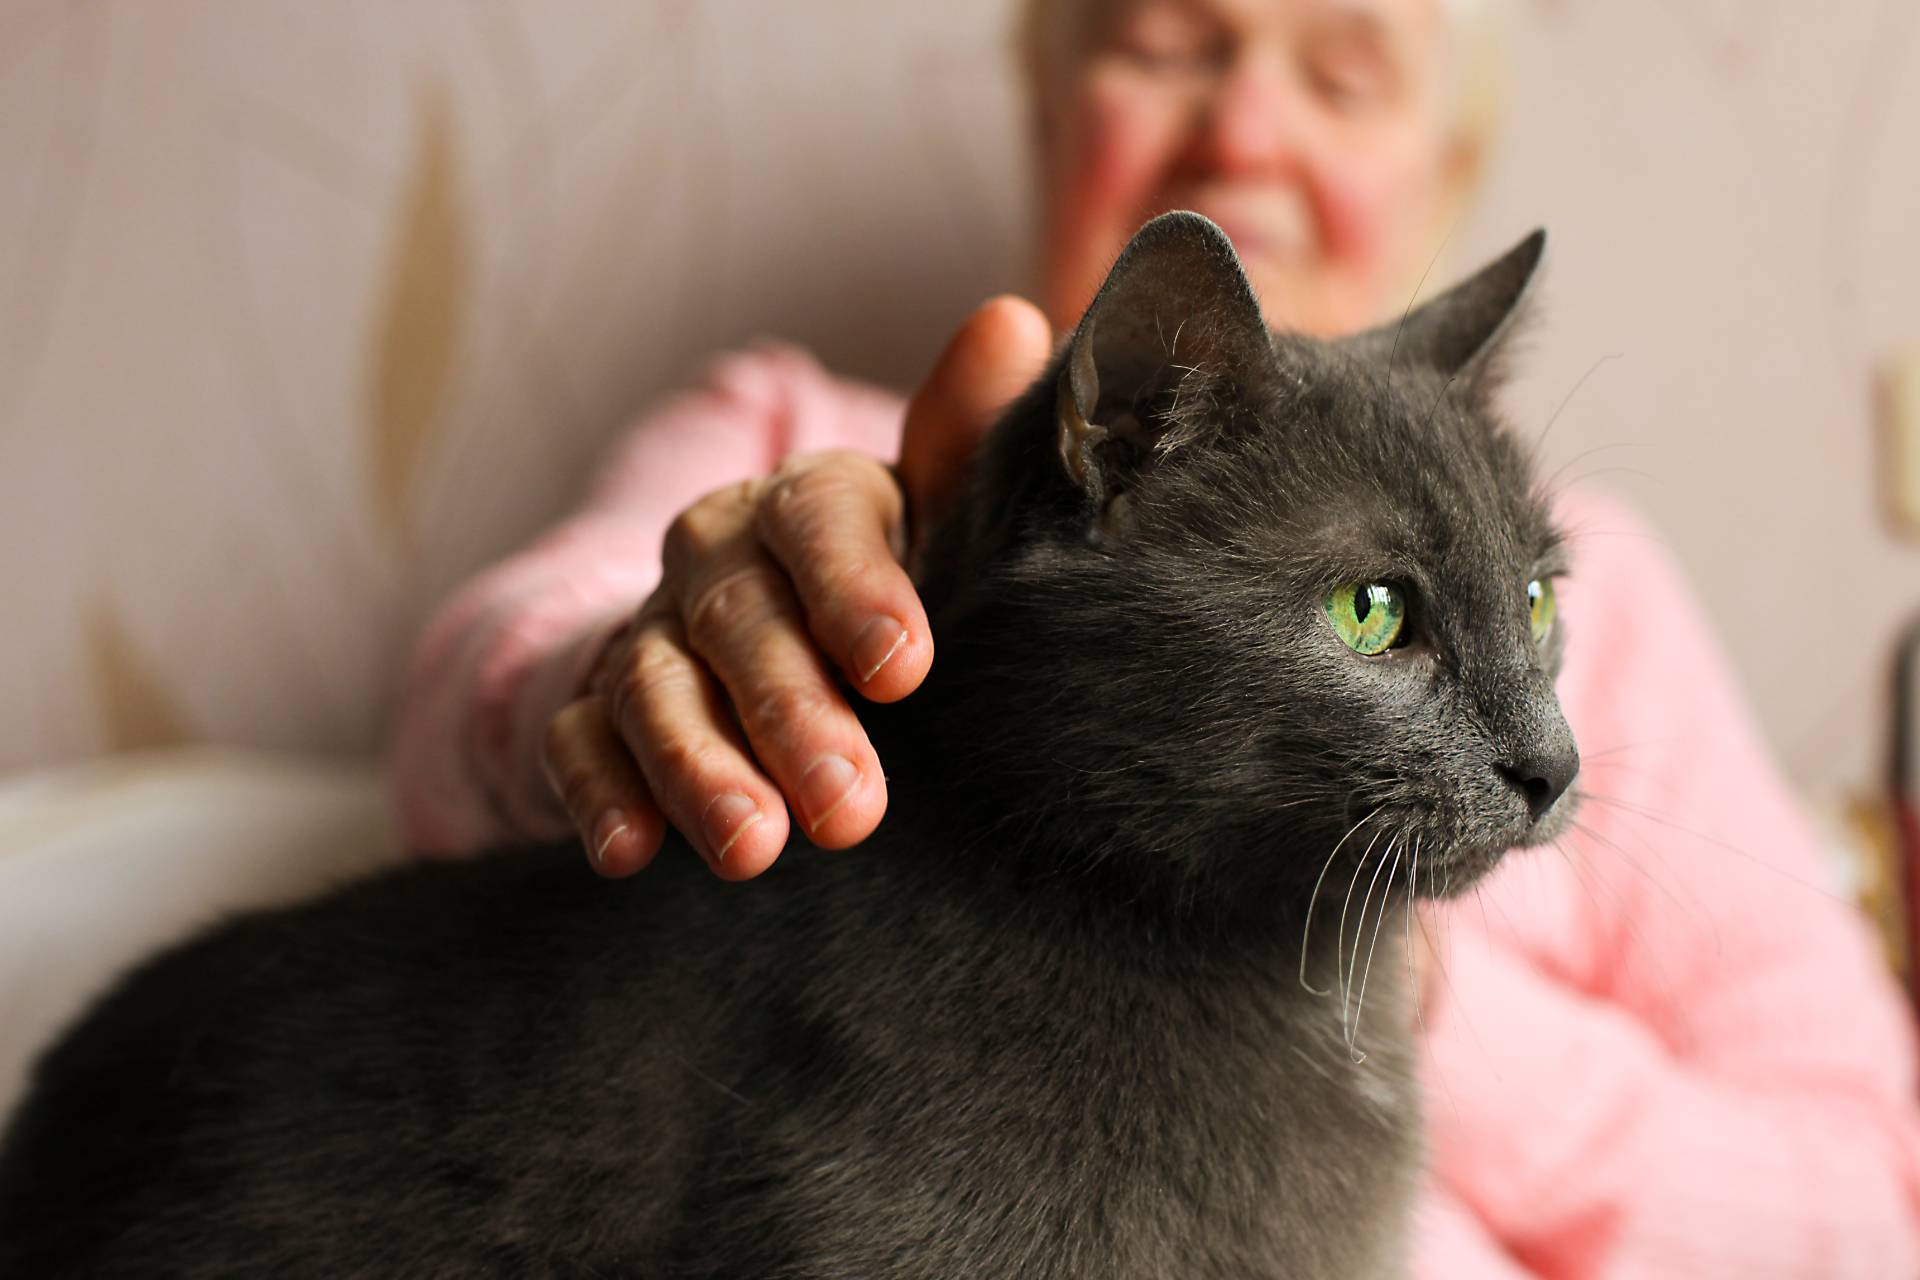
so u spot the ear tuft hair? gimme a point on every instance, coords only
(1175, 321)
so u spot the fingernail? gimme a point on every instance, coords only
(825, 786)
(610, 827)
(876, 644)
(728, 817)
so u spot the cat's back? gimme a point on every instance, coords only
(852, 1066)
(433, 1063)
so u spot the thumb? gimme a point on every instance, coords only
(990, 360)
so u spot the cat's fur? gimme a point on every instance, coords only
(1057, 1018)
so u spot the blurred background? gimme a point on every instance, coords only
(309, 311)
(306, 312)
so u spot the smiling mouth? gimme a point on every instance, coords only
(1269, 224)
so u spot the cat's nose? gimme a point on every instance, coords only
(1542, 778)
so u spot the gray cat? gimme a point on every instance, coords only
(1244, 639)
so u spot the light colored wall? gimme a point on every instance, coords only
(1734, 195)
(307, 311)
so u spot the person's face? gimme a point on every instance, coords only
(1312, 131)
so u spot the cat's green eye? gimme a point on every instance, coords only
(1541, 608)
(1369, 617)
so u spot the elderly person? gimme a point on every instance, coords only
(1659, 1050)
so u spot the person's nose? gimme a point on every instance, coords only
(1253, 121)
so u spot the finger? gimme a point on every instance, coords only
(741, 619)
(595, 777)
(669, 713)
(991, 359)
(744, 622)
(832, 522)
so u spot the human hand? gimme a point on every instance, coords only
(715, 709)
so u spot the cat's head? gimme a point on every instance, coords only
(1224, 601)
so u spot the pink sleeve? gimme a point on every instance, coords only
(1668, 1049)
(511, 648)
(1451, 1243)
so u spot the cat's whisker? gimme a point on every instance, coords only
(1441, 949)
(1379, 925)
(1435, 406)
(1413, 892)
(1602, 753)
(1616, 765)
(1313, 903)
(1480, 900)
(1513, 931)
(1566, 400)
(1625, 806)
(1580, 535)
(1360, 928)
(1584, 476)
(1588, 878)
(1414, 297)
(1551, 483)
(1581, 875)
(1340, 937)
(1697, 907)
(1643, 947)
(1342, 971)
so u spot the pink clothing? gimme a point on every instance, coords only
(512, 647)
(1667, 1051)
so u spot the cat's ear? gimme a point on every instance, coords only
(1461, 332)
(1175, 324)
